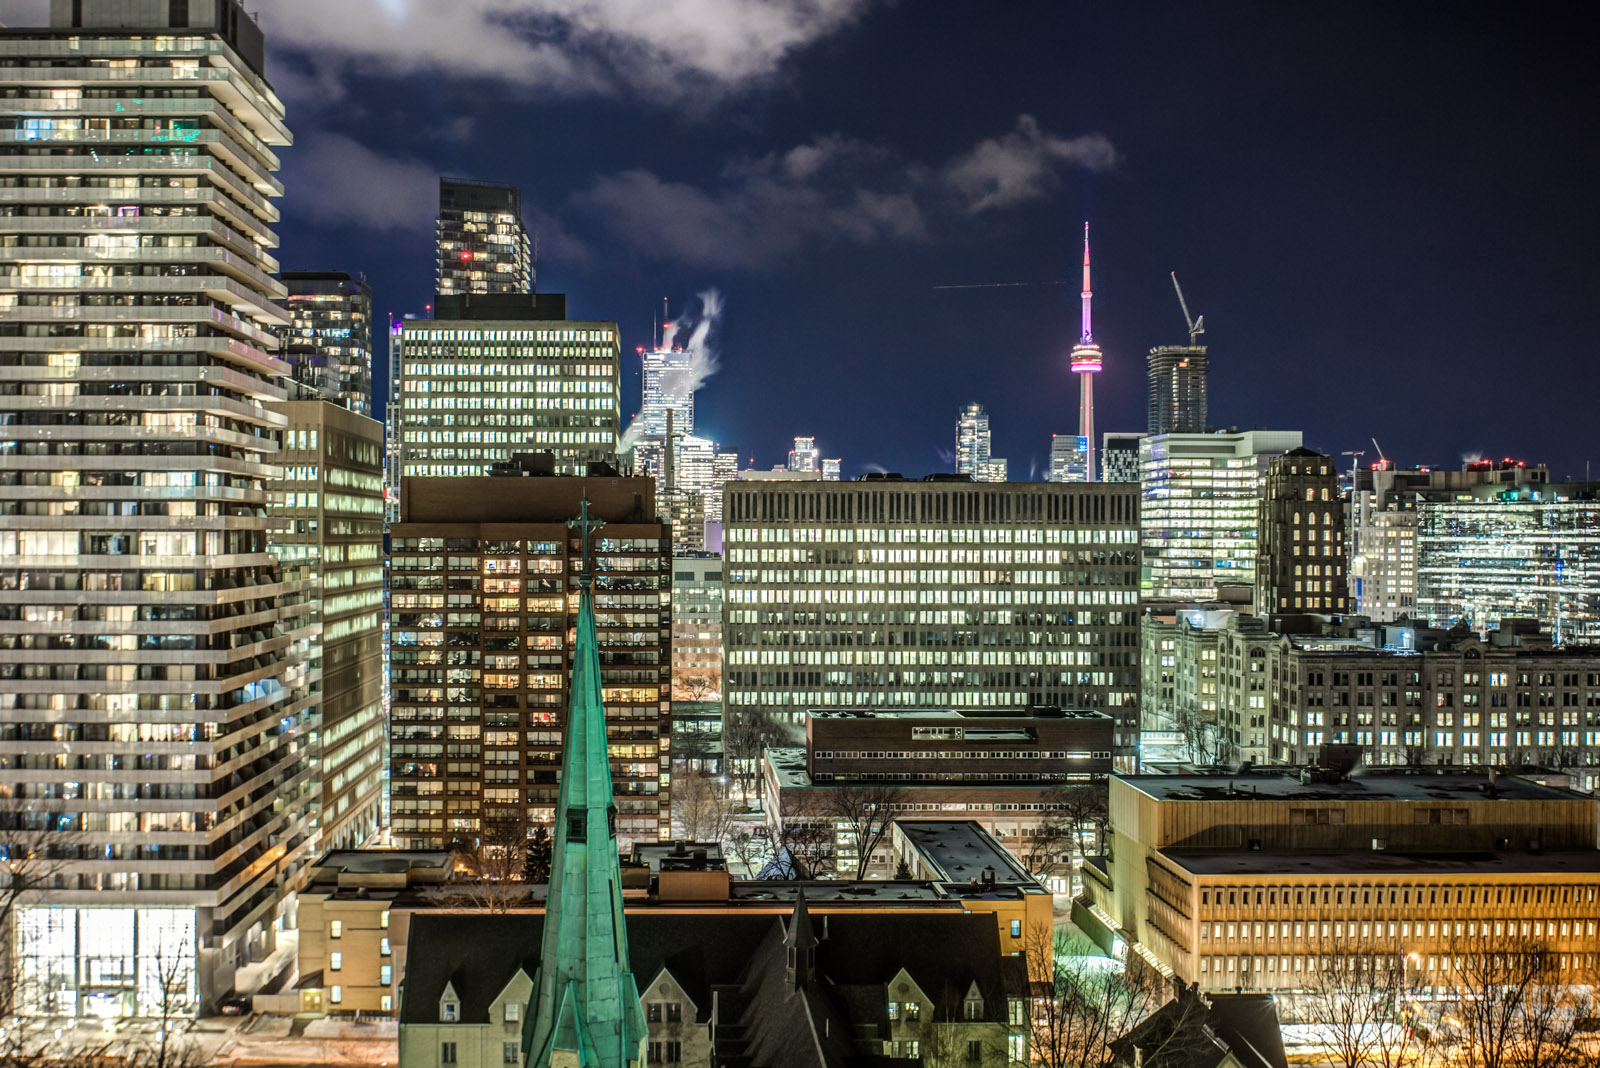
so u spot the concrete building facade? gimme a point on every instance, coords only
(889, 593)
(1258, 881)
(1177, 390)
(495, 376)
(152, 711)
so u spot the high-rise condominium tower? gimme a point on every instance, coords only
(483, 245)
(805, 456)
(1068, 455)
(156, 726)
(1177, 399)
(329, 345)
(973, 447)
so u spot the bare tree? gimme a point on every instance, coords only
(493, 865)
(693, 687)
(1356, 1000)
(802, 837)
(866, 811)
(170, 1000)
(701, 811)
(746, 734)
(35, 850)
(1082, 1003)
(1513, 1004)
(747, 847)
(538, 854)
(689, 747)
(1069, 811)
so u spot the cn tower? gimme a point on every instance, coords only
(1085, 362)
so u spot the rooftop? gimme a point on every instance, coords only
(961, 850)
(1364, 785)
(958, 714)
(382, 861)
(1379, 862)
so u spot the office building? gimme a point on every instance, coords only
(328, 346)
(1119, 456)
(892, 594)
(1177, 390)
(328, 529)
(483, 572)
(482, 242)
(697, 658)
(805, 456)
(668, 389)
(1000, 768)
(1178, 681)
(1300, 553)
(1069, 457)
(494, 376)
(1259, 881)
(139, 633)
(1383, 526)
(1198, 509)
(830, 469)
(973, 447)
(1494, 552)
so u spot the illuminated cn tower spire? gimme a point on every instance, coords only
(1085, 362)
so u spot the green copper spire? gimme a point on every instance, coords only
(585, 1011)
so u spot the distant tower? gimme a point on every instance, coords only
(1085, 362)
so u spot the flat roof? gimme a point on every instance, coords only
(382, 861)
(961, 850)
(974, 714)
(1365, 785)
(829, 890)
(1380, 862)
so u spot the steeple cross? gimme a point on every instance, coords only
(587, 524)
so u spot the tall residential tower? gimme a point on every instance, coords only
(154, 711)
(483, 245)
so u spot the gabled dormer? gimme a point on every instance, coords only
(972, 1003)
(449, 1005)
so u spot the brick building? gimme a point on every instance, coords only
(483, 603)
(995, 767)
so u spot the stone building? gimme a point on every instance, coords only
(1300, 549)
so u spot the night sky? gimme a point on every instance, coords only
(1386, 213)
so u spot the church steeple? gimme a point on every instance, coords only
(800, 942)
(585, 1011)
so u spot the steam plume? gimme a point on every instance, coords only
(703, 361)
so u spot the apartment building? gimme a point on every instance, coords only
(328, 346)
(1255, 881)
(152, 711)
(886, 593)
(483, 604)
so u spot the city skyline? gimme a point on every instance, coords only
(1200, 185)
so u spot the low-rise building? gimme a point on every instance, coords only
(1253, 881)
(997, 767)
(722, 989)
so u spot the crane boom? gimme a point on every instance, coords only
(1196, 326)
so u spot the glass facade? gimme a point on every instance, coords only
(329, 345)
(1493, 553)
(107, 962)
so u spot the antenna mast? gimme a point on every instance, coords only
(1196, 326)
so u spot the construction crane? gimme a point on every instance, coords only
(1196, 326)
(1381, 456)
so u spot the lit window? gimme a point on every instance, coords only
(336, 929)
(337, 994)
(335, 961)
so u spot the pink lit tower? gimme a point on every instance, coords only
(1085, 362)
